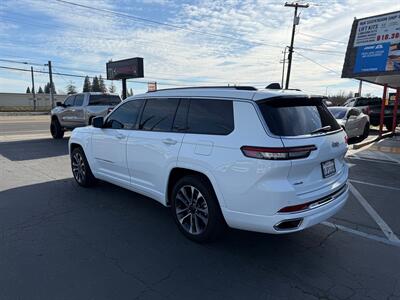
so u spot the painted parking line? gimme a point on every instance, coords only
(23, 137)
(371, 159)
(24, 131)
(375, 185)
(362, 234)
(381, 223)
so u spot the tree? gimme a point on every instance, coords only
(112, 88)
(40, 90)
(28, 90)
(95, 85)
(47, 88)
(340, 97)
(102, 85)
(71, 88)
(87, 86)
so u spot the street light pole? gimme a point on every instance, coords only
(295, 22)
(33, 90)
(51, 84)
(283, 67)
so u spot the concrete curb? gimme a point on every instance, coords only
(24, 113)
(365, 143)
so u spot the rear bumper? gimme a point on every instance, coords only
(268, 224)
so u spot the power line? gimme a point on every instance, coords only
(329, 69)
(125, 15)
(321, 38)
(141, 40)
(21, 62)
(317, 63)
(322, 51)
(83, 76)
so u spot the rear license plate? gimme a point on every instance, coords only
(328, 168)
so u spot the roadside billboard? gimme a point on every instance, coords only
(124, 69)
(374, 47)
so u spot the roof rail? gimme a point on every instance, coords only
(244, 88)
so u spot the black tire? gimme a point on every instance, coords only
(56, 130)
(90, 121)
(207, 231)
(80, 168)
(389, 126)
(366, 131)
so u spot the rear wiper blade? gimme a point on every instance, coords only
(322, 129)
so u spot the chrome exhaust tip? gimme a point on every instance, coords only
(288, 224)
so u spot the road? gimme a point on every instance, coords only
(61, 241)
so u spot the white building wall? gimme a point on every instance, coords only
(24, 102)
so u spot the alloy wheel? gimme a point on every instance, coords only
(78, 167)
(191, 210)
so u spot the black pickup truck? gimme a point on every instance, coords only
(372, 107)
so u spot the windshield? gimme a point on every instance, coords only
(338, 113)
(104, 100)
(296, 116)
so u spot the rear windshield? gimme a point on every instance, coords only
(104, 100)
(296, 116)
(338, 113)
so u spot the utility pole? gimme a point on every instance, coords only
(33, 89)
(296, 21)
(283, 67)
(51, 84)
(123, 88)
(359, 88)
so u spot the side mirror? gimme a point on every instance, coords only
(98, 122)
(58, 103)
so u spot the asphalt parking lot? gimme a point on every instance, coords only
(61, 241)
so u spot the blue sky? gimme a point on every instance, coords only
(208, 42)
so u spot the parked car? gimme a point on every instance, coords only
(261, 160)
(372, 107)
(352, 120)
(79, 109)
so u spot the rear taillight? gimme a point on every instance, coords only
(278, 153)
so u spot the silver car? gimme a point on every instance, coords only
(352, 120)
(78, 110)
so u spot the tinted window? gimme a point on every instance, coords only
(368, 101)
(158, 114)
(125, 116)
(338, 113)
(79, 100)
(181, 117)
(104, 100)
(69, 101)
(293, 117)
(210, 117)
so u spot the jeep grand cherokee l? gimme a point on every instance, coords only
(261, 160)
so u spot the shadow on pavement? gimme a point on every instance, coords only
(61, 241)
(34, 149)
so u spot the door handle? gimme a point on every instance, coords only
(120, 136)
(169, 141)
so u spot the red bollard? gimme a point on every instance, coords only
(382, 109)
(396, 104)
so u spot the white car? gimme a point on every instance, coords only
(352, 120)
(262, 160)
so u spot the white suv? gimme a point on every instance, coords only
(261, 160)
